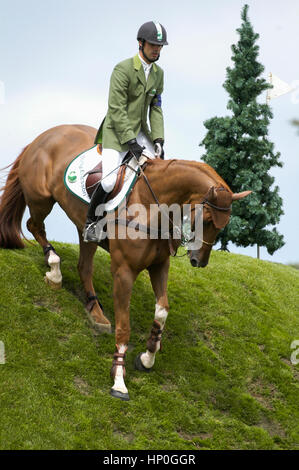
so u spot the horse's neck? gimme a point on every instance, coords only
(177, 181)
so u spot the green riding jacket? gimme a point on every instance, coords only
(132, 100)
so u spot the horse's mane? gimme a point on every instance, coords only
(201, 166)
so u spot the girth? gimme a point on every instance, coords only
(151, 231)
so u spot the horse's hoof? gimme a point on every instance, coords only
(139, 366)
(117, 394)
(53, 285)
(99, 327)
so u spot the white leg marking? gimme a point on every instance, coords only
(148, 358)
(119, 383)
(54, 276)
(161, 315)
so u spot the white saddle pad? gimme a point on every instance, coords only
(75, 176)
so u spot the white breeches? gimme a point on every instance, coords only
(111, 159)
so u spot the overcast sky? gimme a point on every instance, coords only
(57, 57)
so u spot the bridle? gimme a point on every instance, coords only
(204, 201)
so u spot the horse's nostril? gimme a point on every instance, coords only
(194, 262)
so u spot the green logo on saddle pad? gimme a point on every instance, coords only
(72, 177)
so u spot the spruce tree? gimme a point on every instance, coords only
(238, 148)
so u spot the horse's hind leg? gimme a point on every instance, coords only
(85, 267)
(159, 276)
(36, 226)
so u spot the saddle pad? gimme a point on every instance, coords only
(76, 174)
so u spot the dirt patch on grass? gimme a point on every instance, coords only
(189, 437)
(82, 386)
(63, 338)
(129, 437)
(195, 438)
(263, 393)
(44, 304)
(293, 367)
(169, 387)
(272, 427)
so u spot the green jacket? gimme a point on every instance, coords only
(131, 100)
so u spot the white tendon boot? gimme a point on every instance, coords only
(118, 372)
(53, 277)
(145, 361)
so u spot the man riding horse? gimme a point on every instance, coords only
(173, 182)
(136, 86)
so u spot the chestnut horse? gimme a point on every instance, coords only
(36, 179)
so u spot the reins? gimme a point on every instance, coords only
(173, 251)
(145, 228)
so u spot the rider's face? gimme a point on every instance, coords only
(152, 51)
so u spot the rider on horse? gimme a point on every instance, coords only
(135, 91)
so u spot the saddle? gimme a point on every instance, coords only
(95, 175)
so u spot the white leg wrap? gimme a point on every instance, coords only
(119, 383)
(54, 276)
(161, 315)
(148, 358)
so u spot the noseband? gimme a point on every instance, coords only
(206, 201)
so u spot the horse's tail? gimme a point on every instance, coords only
(12, 207)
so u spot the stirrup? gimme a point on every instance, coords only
(89, 233)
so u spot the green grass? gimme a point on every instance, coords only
(296, 265)
(224, 379)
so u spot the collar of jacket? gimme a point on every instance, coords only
(140, 73)
(138, 64)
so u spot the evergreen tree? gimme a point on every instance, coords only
(238, 148)
(295, 122)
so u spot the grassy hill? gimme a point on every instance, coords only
(223, 381)
(295, 265)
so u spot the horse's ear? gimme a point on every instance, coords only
(237, 196)
(212, 194)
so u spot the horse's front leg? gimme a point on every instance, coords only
(159, 276)
(123, 279)
(85, 267)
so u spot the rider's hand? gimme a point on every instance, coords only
(135, 148)
(159, 151)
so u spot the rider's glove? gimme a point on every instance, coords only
(159, 151)
(135, 148)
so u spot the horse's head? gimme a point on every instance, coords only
(215, 216)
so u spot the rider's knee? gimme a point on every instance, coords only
(108, 183)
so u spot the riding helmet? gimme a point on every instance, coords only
(153, 32)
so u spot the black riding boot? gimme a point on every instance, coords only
(99, 197)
